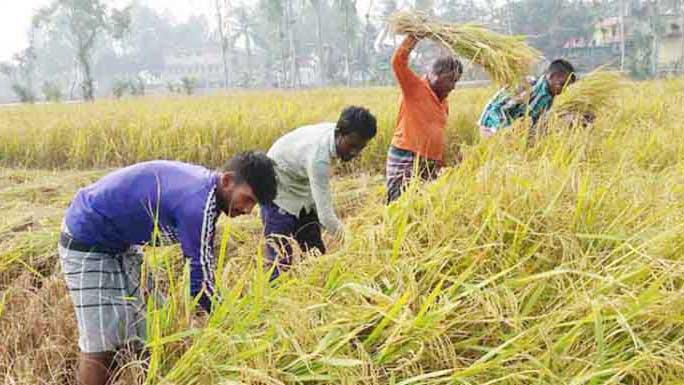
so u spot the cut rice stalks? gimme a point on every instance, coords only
(507, 59)
(590, 94)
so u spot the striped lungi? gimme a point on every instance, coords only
(400, 169)
(106, 293)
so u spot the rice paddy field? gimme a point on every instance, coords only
(559, 263)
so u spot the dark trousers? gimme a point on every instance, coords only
(280, 226)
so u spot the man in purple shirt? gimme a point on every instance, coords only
(151, 203)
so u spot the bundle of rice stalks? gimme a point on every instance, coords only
(590, 94)
(505, 58)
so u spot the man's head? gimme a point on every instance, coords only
(445, 72)
(245, 180)
(355, 128)
(559, 75)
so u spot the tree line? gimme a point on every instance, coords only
(85, 48)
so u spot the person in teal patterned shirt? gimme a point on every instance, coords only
(532, 99)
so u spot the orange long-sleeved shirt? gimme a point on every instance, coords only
(422, 116)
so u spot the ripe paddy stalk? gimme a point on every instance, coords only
(551, 265)
(590, 94)
(506, 59)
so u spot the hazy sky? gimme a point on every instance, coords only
(15, 17)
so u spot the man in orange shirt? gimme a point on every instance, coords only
(419, 134)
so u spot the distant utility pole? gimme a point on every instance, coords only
(509, 16)
(680, 7)
(319, 41)
(347, 31)
(622, 35)
(224, 35)
(289, 22)
(365, 46)
(655, 27)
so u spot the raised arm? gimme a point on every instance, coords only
(406, 78)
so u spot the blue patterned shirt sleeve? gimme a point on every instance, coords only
(540, 100)
(503, 108)
(493, 117)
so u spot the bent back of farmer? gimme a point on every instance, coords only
(304, 159)
(151, 203)
(532, 99)
(421, 123)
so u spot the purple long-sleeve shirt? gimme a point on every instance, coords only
(122, 209)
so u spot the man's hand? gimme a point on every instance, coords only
(410, 42)
(420, 35)
(340, 236)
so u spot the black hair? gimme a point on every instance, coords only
(447, 64)
(359, 120)
(257, 170)
(563, 66)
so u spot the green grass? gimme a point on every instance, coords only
(557, 264)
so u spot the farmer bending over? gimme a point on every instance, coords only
(153, 203)
(419, 133)
(532, 99)
(304, 159)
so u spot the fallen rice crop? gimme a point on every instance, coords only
(557, 264)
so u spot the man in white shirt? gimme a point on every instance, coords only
(303, 159)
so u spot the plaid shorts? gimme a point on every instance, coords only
(401, 165)
(106, 293)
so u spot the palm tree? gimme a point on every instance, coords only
(244, 29)
(348, 8)
(290, 24)
(622, 35)
(317, 7)
(273, 13)
(222, 8)
(655, 26)
(680, 7)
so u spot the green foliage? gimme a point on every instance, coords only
(189, 84)
(52, 91)
(87, 21)
(134, 86)
(119, 88)
(24, 94)
(172, 87)
(20, 71)
(640, 60)
(550, 23)
(137, 86)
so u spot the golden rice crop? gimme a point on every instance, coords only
(506, 59)
(559, 264)
(205, 130)
(590, 94)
